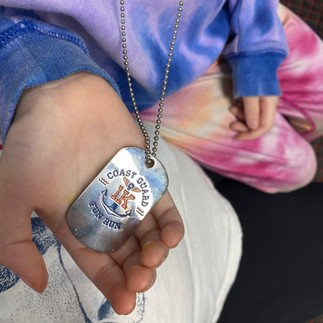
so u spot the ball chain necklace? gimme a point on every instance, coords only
(163, 92)
(120, 196)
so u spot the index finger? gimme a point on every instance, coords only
(268, 106)
(251, 108)
(267, 114)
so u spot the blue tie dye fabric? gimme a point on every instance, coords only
(247, 32)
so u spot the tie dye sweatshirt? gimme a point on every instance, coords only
(42, 41)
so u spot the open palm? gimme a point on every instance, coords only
(62, 136)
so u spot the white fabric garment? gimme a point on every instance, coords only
(191, 285)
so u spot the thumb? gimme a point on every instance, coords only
(17, 251)
(24, 259)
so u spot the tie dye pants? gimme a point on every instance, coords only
(197, 119)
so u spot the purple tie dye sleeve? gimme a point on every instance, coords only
(256, 48)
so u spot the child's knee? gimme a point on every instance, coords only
(301, 169)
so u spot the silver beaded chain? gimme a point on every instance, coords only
(149, 153)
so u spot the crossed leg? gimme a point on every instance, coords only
(197, 119)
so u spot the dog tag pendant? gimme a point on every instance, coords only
(117, 200)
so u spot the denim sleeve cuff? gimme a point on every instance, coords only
(29, 59)
(255, 75)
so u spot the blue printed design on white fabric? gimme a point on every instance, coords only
(45, 240)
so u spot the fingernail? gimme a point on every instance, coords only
(147, 246)
(151, 283)
(163, 260)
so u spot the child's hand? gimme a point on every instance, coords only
(63, 134)
(255, 117)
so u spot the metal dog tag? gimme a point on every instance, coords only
(117, 200)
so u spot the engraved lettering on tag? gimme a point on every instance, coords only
(122, 172)
(112, 224)
(117, 200)
(98, 215)
(95, 210)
